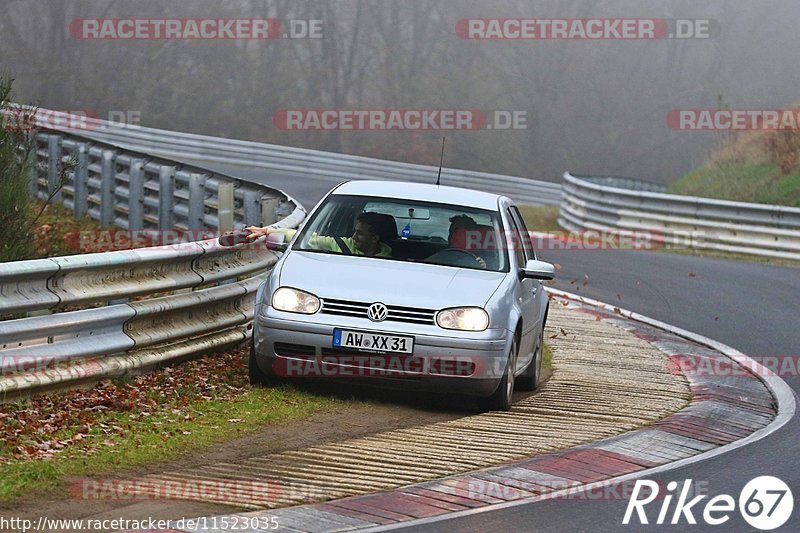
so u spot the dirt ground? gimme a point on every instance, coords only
(387, 410)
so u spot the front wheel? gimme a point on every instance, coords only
(529, 380)
(501, 399)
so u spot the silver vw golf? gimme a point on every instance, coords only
(405, 285)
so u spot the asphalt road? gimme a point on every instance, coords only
(752, 307)
(749, 306)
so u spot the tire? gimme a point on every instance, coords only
(529, 380)
(501, 399)
(258, 378)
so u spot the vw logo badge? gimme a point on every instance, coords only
(377, 312)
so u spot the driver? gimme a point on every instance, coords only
(460, 226)
(366, 240)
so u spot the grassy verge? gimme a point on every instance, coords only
(125, 423)
(540, 217)
(759, 182)
(745, 169)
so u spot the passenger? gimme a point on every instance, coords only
(368, 237)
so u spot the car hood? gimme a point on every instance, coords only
(366, 279)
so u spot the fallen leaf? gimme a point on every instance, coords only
(692, 275)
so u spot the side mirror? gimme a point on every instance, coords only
(537, 270)
(276, 242)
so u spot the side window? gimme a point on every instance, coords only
(527, 245)
(514, 239)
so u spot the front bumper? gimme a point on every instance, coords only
(459, 362)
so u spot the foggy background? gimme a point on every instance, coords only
(594, 107)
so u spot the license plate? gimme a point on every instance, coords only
(372, 342)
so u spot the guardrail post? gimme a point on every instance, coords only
(107, 188)
(33, 168)
(225, 207)
(166, 198)
(268, 206)
(252, 208)
(136, 195)
(81, 181)
(53, 164)
(197, 202)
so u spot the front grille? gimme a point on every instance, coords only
(411, 315)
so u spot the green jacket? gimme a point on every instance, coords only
(323, 242)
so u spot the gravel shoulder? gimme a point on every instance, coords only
(377, 411)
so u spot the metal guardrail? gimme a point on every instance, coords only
(58, 282)
(590, 203)
(74, 346)
(289, 162)
(134, 191)
(137, 191)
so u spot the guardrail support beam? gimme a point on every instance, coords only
(197, 202)
(268, 206)
(136, 195)
(53, 165)
(81, 181)
(225, 207)
(252, 208)
(107, 188)
(166, 198)
(33, 168)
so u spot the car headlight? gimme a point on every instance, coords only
(463, 318)
(295, 301)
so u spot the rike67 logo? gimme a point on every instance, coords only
(765, 503)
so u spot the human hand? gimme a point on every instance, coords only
(256, 232)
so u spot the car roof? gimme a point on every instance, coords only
(421, 192)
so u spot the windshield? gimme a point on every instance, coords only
(406, 230)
